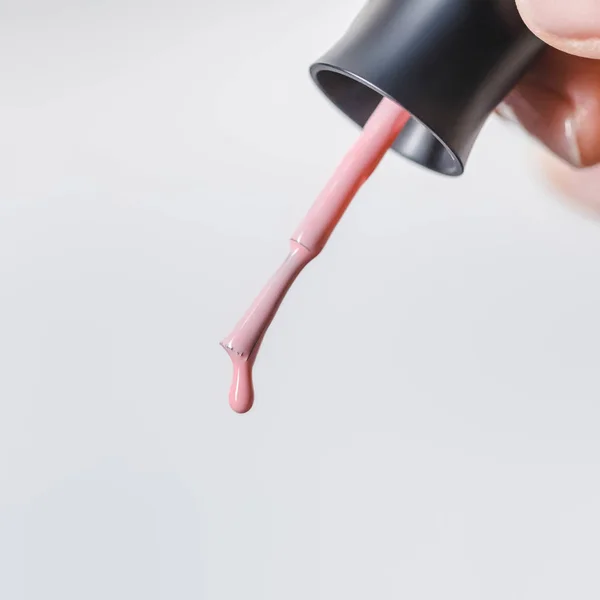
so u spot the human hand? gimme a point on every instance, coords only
(558, 102)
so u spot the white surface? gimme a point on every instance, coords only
(138, 217)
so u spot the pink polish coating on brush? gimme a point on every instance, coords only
(307, 242)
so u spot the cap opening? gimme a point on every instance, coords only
(358, 99)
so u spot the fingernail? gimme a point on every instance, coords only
(570, 145)
(548, 118)
(505, 112)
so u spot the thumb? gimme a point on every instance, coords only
(572, 26)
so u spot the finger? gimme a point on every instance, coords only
(558, 102)
(572, 26)
(581, 186)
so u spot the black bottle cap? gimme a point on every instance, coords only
(448, 62)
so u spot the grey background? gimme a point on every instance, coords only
(426, 420)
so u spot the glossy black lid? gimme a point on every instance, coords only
(448, 62)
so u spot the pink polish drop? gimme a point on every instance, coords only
(307, 242)
(241, 394)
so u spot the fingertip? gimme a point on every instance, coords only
(558, 102)
(585, 122)
(572, 26)
(548, 117)
(579, 187)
